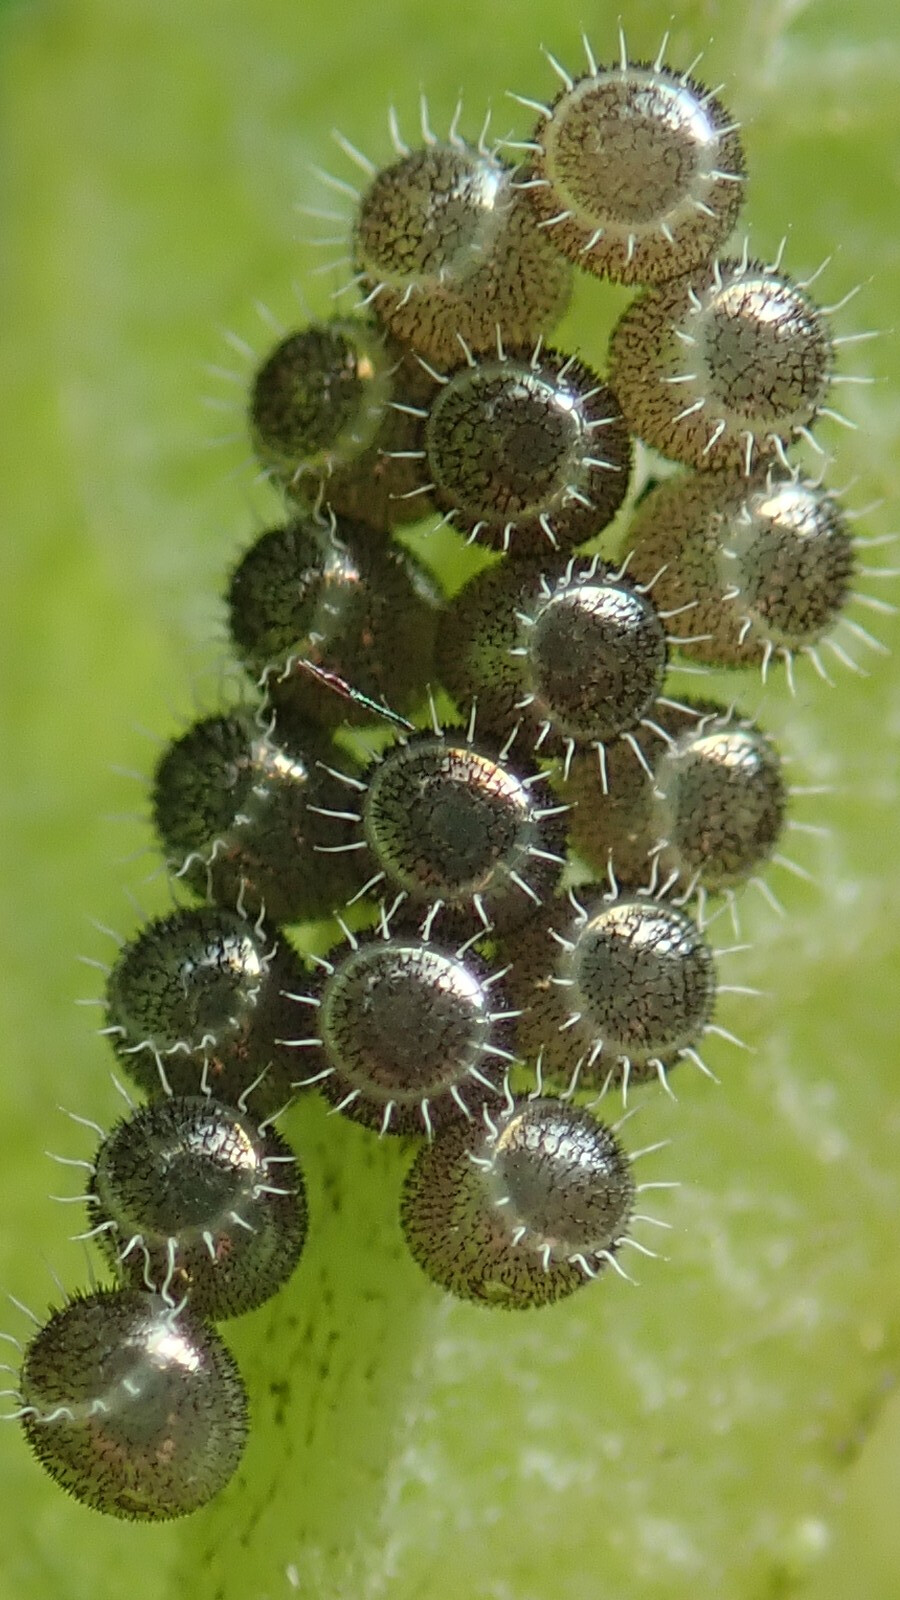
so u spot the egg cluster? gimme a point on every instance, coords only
(523, 883)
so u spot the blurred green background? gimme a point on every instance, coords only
(729, 1428)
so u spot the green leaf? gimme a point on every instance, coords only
(693, 1437)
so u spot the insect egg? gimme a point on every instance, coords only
(596, 656)
(613, 821)
(343, 597)
(333, 416)
(577, 658)
(725, 368)
(195, 1003)
(191, 1197)
(477, 631)
(444, 248)
(764, 566)
(638, 171)
(409, 1035)
(240, 810)
(625, 987)
(527, 452)
(707, 804)
(134, 1406)
(318, 398)
(721, 803)
(456, 832)
(523, 1208)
